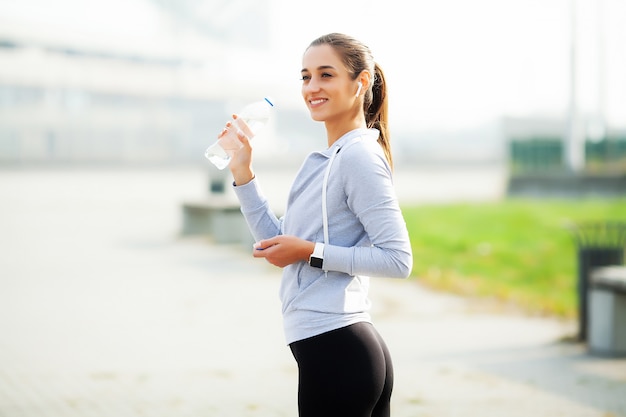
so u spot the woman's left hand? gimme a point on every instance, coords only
(283, 250)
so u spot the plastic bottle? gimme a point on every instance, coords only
(256, 115)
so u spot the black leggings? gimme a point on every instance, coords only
(345, 372)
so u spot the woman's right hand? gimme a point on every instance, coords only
(241, 162)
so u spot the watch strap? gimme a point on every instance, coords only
(317, 257)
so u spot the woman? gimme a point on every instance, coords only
(342, 224)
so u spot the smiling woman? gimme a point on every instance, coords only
(342, 225)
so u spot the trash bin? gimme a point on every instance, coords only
(599, 244)
(607, 311)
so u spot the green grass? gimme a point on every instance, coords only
(516, 251)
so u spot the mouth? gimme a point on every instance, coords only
(317, 101)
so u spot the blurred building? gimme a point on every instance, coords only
(153, 81)
(153, 91)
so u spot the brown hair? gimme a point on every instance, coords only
(357, 57)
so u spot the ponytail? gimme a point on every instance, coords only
(376, 109)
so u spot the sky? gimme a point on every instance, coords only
(450, 64)
(459, 63)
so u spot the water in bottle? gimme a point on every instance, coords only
(255, 115)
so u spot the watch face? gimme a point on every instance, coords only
(316, 262)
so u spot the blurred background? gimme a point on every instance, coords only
(153, 81)
(119, 293)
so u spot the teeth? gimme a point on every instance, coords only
(317, 101)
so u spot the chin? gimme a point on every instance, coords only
(316, 116)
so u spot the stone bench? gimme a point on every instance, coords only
(607, 311)
(218, 217)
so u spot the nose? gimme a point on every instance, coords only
(311, 86)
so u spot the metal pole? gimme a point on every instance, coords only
(574, 140)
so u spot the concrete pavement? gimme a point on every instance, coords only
(106, 311)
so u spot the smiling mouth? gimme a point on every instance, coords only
(317, 101)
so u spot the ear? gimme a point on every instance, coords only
(364, 79)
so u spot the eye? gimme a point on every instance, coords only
(305, 78)
(326, 75)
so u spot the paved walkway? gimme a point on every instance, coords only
(105, 311)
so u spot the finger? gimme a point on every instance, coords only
(241, 124)
(265, 243)
(262, 245)
(243, 138)
(258, 253)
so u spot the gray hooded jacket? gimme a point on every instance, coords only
(367, 234)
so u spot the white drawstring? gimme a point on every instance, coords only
(324, 204)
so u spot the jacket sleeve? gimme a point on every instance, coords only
(368, 185)
(262, 221)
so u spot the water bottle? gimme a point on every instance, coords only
(255, 115)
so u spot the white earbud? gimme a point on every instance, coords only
(359, 90)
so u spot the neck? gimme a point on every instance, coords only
(334, 131)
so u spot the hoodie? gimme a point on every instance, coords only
(367, 234)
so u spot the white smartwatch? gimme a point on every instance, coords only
(316, 259)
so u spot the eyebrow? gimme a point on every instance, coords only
(321, 67)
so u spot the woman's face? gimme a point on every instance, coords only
(327, 88)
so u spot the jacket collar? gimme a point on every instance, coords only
(347, 138)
